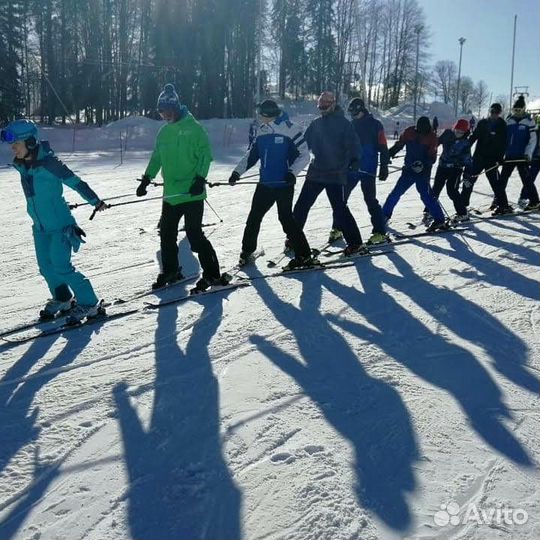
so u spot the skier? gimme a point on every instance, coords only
(490, 138)
(534, 168)
(281, 149)
(373, 142)
(472, 123)
(56, 233)
(335, 148)
(182, 152)
(435, 125)
(420, 144)
(520, 144)
(456, 155)
(396, 131)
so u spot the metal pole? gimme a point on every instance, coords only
(512, 72)
(417, 29)
(461, 42)
(259, 46)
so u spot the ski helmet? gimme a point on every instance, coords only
(423, 125)
(268, 108)
(496, 108)
(462, 125)
(21, 130)
(356, 106)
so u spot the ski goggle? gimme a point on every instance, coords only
(7, 136)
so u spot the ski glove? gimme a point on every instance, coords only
(233, 178)
(197, 188)
(354, 165)
(74, 235)
(144, 183)
(290, 179)
(100, 206)
(383, 172)
(417, 167)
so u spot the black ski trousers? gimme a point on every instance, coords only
(526, 179)
(451, 176)
(492, 173)
(192, 212)
(263, 199)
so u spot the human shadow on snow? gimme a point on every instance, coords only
(368, 412)
(431, 356)
(18, 428)
(179, 484)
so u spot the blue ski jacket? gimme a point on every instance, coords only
(280, 147)
(520, 137)
(456, 152)
(372, 141)
(42, 181)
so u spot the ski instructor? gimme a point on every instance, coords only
(56, 233)
(182, 152)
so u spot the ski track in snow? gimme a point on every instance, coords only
(328, 405)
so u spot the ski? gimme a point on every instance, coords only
(397, 237)
(102, 318)
(147, 292)
(35, 323)
(215, 289)
(344, 259)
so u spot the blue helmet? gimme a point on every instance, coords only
(21, 130)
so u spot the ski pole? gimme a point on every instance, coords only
(76, 205)
(212, 208)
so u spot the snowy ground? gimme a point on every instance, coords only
(349, 404)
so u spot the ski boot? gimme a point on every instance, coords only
(493, 205)
(523, 203)
(81, 312)
(377, 238)
(54, 308)
(334, 236)
(427, 220)
(204, 284)
(438, 226)
(287, 247)
(359, 249)
(531, 207)
(459, 218)
(502, 211)
(245, 258)
(167, 279)
(301, 262)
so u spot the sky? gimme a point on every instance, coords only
(488, 26)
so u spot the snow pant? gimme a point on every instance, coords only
(367, 184)
(342, 215)
(263, 199)
(492, 173)
(406, 180)
(192, 212)
(533, 173)
(53, 253)
(451, 176)
(524, 174)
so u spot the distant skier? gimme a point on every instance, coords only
(372, 143)
(252, 135)
(456, 155)
(56, 233)
(435, 125)
(182, 152)
(520, 145)
(472, 123)
(534, 168)
(396, 131)
(490, 138)
(335, 148)
(420, 144)
(282, 152)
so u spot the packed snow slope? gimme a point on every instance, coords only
(367, 402)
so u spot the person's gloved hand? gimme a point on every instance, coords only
(197, 188)
(354, 165)
(290, 178)
(383, 172)
(100, 206)
(417, 167)
(144, 183)
(234, 178)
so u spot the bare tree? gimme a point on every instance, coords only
(444, 79)
(481, 93)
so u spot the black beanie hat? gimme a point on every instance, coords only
(519, 103)
(423, 125)
(496, 108)
(269, 109)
